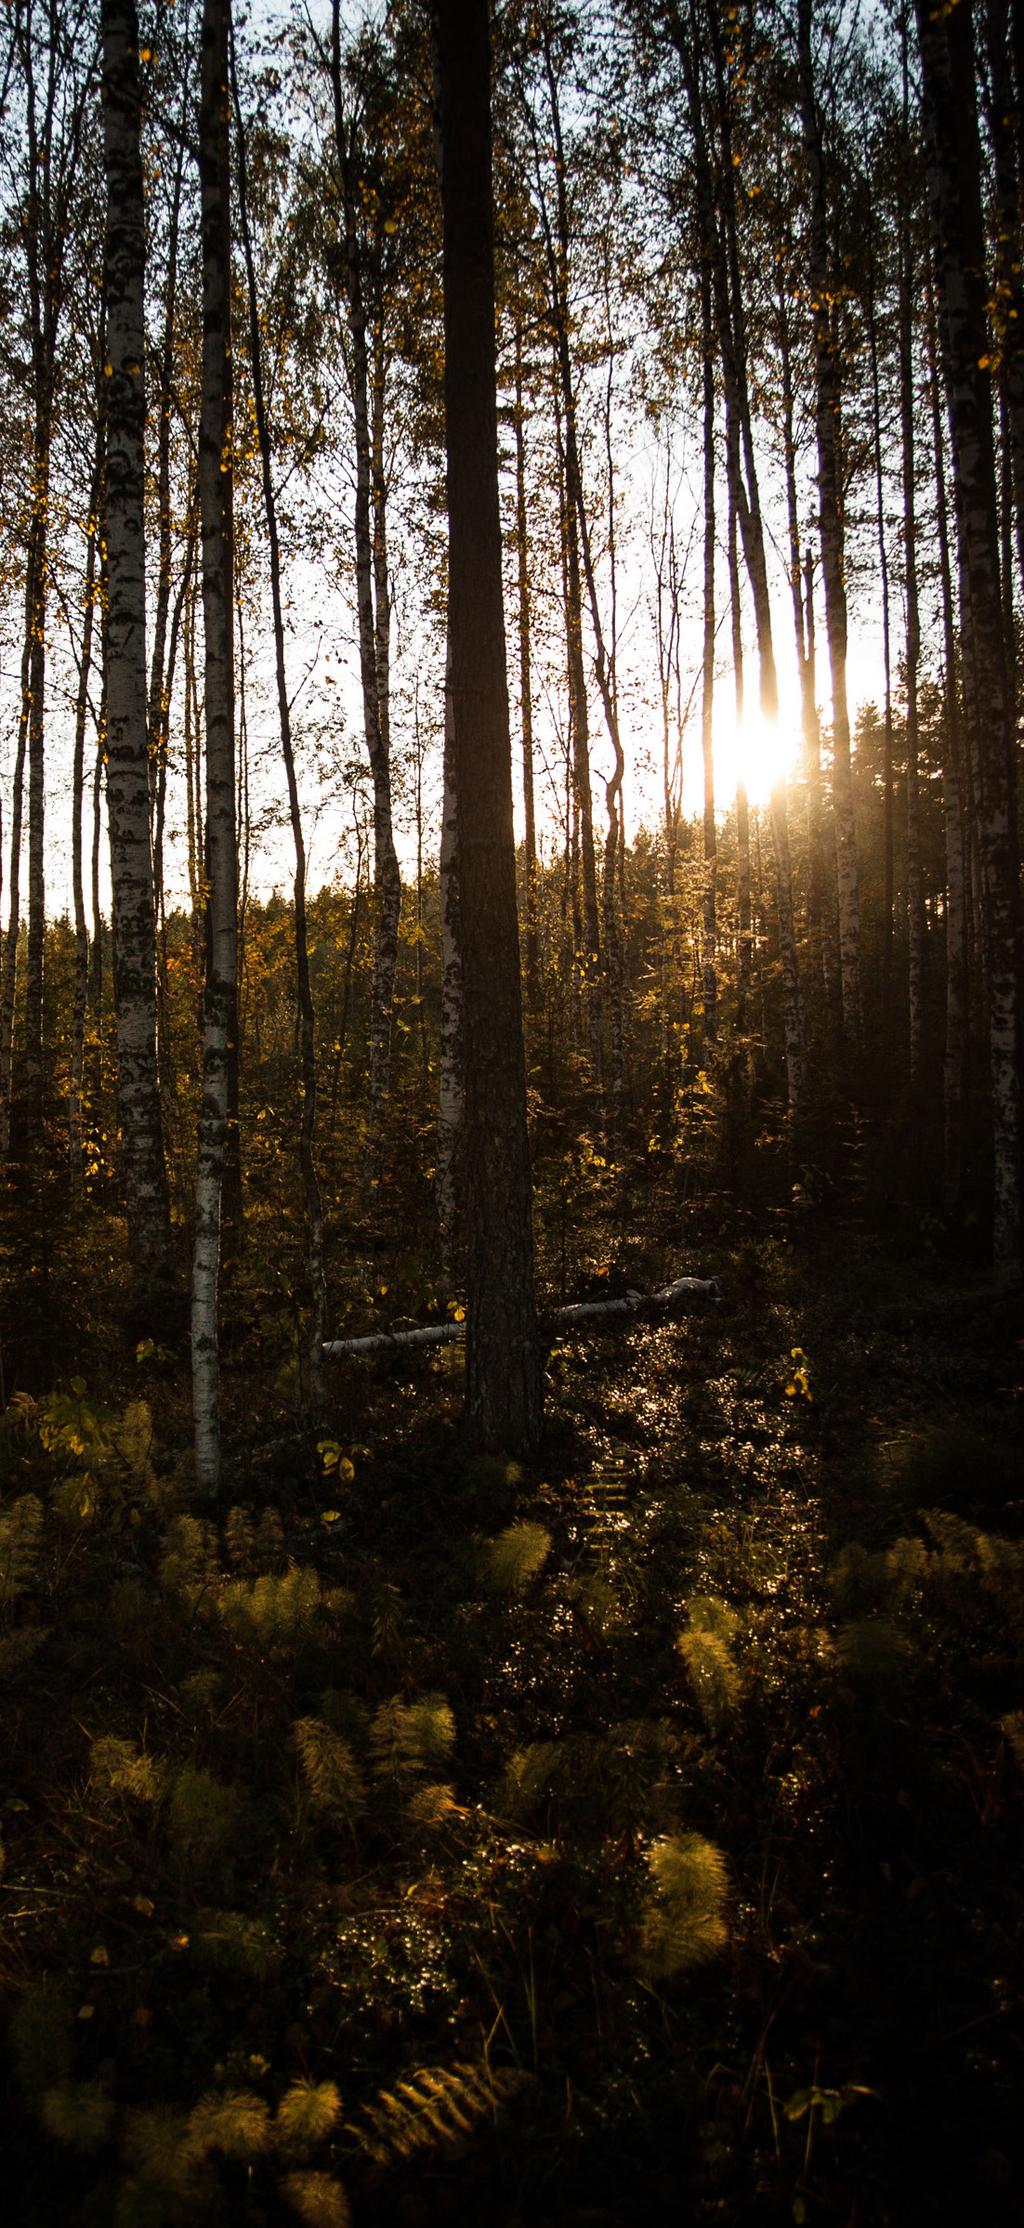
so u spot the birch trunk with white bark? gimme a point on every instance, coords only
(138, 1093)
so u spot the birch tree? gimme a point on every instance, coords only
(145, 1176)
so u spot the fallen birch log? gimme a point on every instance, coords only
(679, 1295)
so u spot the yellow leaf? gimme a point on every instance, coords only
(144, 1905)
(100, 1955)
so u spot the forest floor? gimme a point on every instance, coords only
(630, 1837)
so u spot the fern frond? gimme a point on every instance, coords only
(190, 1563)
(270, 1539)
(232, 1943)
(529, 1774)
(203, 1815)
(18, 1648)
(859, 1578)
(200, 1693)
(633, 1770)
(508, 1563)
(873, 1650)
(435, 2108)
(78, 2113)
(306, 2114)
(412, 1740)
(131, 1438)
(21, 1547)
(119, 1767)
(711, 1668)
(240, 1542)
(77, 1499)
(333, 1779)
(155, 2149)
(432, 1806)
(236, 2124)
(683, 1921)
(907, 1565)
(279, 1608)
(318, 2199)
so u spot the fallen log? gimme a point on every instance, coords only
(684, 1292)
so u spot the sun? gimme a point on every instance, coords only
(755, 752)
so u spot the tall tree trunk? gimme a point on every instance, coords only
(451, 1074)
(575, 555)
(744, 914)
(373, 613)
(10, 968)
(145, 1175)
(801, 593)
(159, 691)
(76, 1081)
(830, 517)
(1002, 25)
(36, 938)
(957, 1036)
(719, 227)
(216, 509)
(526, 688)
(306, 1015)
(503, 1374)
(954, 181)
(915, 899)
(888, 812)
(95, 1025)
(707, 708)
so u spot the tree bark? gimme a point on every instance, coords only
(954, 183)
(145, 1174)
(76, 1078)
(915, 899)
(373, 614)
(306, 1015)
(675, 1298)
(216, 466)
(828, 418)
(503, 1377)
(707, 704)
(526, 689)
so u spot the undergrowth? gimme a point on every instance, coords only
(630, 1838)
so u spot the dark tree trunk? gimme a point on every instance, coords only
(954, 183)
(503, 1374)
(220, 1000)
(306, 1015)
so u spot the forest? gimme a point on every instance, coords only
(511, 1537)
